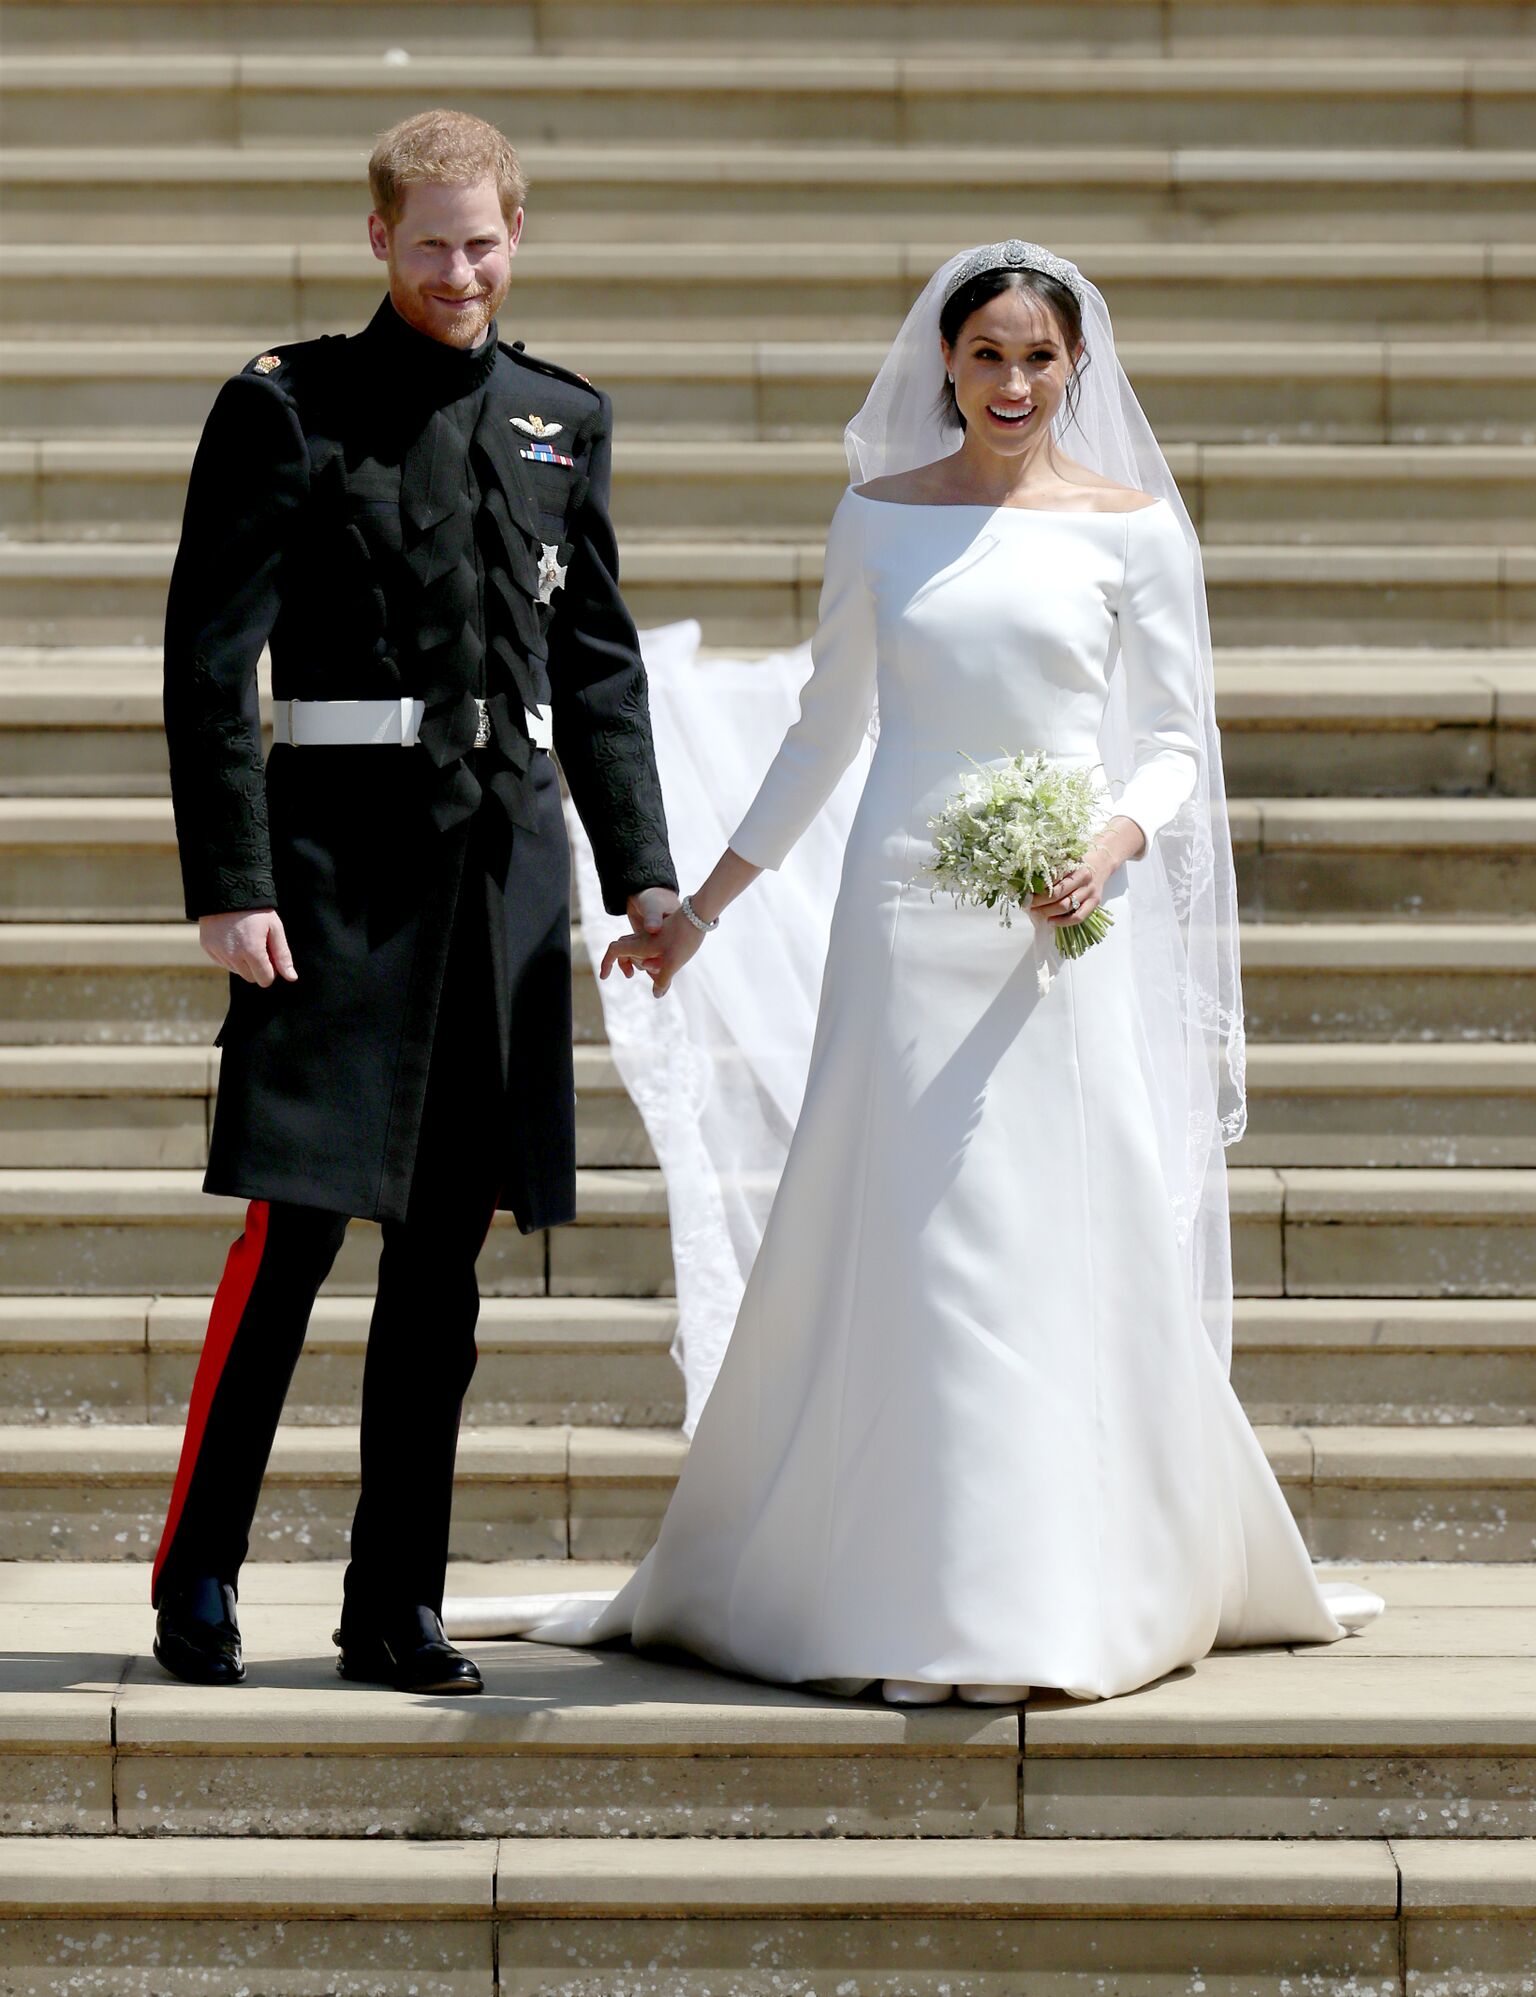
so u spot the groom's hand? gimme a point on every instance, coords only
(661, 953)
(649, 909)
(250, 942)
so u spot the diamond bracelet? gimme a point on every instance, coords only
(686, 905)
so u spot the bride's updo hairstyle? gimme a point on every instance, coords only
(990, 284)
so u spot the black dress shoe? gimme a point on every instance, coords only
(196, 1635)
(407, 1649)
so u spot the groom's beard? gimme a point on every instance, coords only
(465, 328)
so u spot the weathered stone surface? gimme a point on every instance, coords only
(1296, 1795)
(143, 1956)
(55, 1744)
(1353, 1748)
(561, 1744)
(550, 1795)
(100, 1493)
(1450, 1958)
(1453, 1878)
(610, 1261)
(1414, 1362)
(937, 1956)
(997, 1877)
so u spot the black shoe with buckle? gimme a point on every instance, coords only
(197, 1637)
(405, 1648)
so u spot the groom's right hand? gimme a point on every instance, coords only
(661, 955)
(250, 942)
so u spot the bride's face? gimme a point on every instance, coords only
(1011, 365)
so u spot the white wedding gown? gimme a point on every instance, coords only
(969, 1426)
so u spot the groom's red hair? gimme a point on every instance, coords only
(446, 148)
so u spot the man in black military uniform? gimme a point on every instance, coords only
(416, 519)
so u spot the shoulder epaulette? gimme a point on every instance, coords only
(519, 353)
(295, 352)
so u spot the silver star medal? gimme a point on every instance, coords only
(551, 574)
(535, 426)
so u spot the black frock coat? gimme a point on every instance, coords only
(363, 506)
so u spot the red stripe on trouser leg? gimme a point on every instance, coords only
(229, 1302)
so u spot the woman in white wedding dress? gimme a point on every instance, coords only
(973, 1429)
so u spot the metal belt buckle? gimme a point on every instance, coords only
(483, 725)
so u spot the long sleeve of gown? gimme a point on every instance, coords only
(1159, 656)
(835, 703)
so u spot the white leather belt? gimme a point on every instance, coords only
(335, 724)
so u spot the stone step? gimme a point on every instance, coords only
(520, 1492)
(126, 983)
(1385, 981)
(1459, 1103)
(1214, 1753)
(265, 287)
(921, 1918)
(103, 859)
(544, 1361)
(764, 98)
(1234, 390)
(105, 1359)
(757, 592)
(1457, 28)
(1412, 1363)
(1345, 856)
(1298, 723)
(668, 191)
(1297, 1231)
(148, 983)
(1248, 495)
(153, 1106)
(1456, 1103)
(72, 1492)
(94, 1232)
(89, 722)
(1420, 1729)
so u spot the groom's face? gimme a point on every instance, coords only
(450, 259)
(1011, 365)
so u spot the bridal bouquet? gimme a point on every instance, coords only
(1008, 833)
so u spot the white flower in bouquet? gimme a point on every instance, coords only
(1008, 833)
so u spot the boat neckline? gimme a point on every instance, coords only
(986, 506)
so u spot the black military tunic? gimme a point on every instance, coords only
(392, 516)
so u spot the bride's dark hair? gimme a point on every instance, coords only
(992, 284)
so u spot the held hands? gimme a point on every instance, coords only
(250, 942)
(660, 947)
(1078, 892)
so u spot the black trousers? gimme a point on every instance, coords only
(421, 1340)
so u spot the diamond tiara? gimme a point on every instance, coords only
(1016, 255)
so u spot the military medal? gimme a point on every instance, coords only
(544, 454)
(551, 574)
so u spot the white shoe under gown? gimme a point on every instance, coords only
(969, 1426)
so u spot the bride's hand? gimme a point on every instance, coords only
(1074, 895)
(661, 956)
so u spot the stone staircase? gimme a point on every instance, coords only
(1316, 231)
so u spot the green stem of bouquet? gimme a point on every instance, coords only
(1074, 938)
